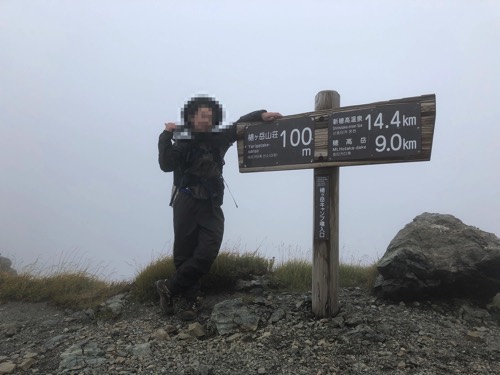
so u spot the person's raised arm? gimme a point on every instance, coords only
(256, 116)
(170, 156)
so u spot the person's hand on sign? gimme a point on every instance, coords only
(170, 126)
(271, 116)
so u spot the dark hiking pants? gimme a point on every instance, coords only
(198, 228)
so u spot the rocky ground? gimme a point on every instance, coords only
(368, 336)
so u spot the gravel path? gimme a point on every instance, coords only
(369, 336)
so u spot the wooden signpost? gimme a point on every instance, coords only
(393, 131)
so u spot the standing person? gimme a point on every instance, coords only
(196, 156)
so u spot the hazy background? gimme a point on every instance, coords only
(85, 87)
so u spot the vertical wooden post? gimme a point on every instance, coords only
(325, 273)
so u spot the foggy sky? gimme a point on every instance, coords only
(85, 88)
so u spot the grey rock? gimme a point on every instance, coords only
(49, 323)
(385, 328)
(234, 337)
(9, 330)
(140, 350)
(30, 355)
(475, 336)
(432, 338)
(277, 315)
(365, 332)
(244, 284)
(26, 363)
(196, 330)
(90, 313)
(258, 291)
(160, 335)
(231, 316)
(354, 321)
(438, 255)
(54, 342)
(80, 355)
(114, 305)
(256, 285)
(201, 369)
(338, 321)
(264, 336)
(473, 314)
(185, 336)
(494, 307)
(259, 300)
(7, 367)
(495, 303)
(299, 304)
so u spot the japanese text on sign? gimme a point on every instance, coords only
(289, 141)
(388, 131)
(322, 208)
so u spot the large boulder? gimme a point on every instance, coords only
(438, 255)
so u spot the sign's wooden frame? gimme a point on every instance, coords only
(428, 117)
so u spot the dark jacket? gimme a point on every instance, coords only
(197, 163)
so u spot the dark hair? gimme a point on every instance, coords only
(196, 102)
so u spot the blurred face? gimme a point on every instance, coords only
(202, 120)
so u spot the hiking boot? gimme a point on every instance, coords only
(166, 300)
(191, 311)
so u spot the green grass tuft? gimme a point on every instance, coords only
(296, 275)
(76, 288)
(143, 286)
(357, 275)
(231, 266)
(227, 268)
